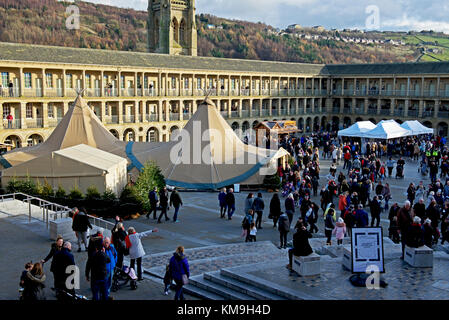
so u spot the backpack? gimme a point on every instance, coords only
(245, 223)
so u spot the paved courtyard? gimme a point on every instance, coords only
(201, 226)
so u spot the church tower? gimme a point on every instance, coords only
(171, 27)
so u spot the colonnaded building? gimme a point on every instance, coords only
(146, 96)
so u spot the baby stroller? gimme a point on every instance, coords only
(399, 171)
(121, 278)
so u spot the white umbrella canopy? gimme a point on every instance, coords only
(387, 129)
(357, 129)
(416, 127)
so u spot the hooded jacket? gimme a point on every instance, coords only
(81, 222)
(340, 230)
(179, 266)
(34, 287)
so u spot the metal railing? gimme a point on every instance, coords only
(9, 92)
(34, 123)
(152, 117)
(52, 122)
(12, 124)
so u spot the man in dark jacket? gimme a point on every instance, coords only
(96, 266)
(284, 228)
(258, 207)
(375, 209)
(290, 207)
(404, 219)
(222, 202)
(163, 200)
(176, 202)
(419, 208)
(62, 260)
(79, 225)
(230, 203)
(301, 246)
(152, 197)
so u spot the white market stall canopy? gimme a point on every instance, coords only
(416, 127)
(387, 129)
(81, 166)
(357, 129)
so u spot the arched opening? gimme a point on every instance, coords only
(346, 122)
(255, 123)
(153, 135)
(34, 139)
(13, 140)
(301, 123)
(428, 124)
(335, 123)
(114, 133)
(174, 131)
(308, 124)
(316, 124)
(235, 126)
(442, 129)
(245, 126)
(324, 123)
(129, 135)
(358, 119)
(175, 30)
(182, 33)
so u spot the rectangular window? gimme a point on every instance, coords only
(5, 79)
(87, 82)
(122, 82)
(6, 110)
(49, 80)
(50, 110)
(145, 82)
(186, 83)
(69, 80)
(232, 84)
(29, 111)
(138, 82)
(211, 83)
(130, 84)
(27, 76)
(173, 82)
(105, 80)
(198, 83)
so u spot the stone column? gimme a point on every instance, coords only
(65, 108)
(102, 84)
(393, 102)
(136, 110)
(23, 115)
(353, 105)
(44, 91)
(378, 105)
(103, 112)
(437, 107)
(45, 115)
(342, 105)
(260, 107)
(181, 110)
(296, 106)
(365, 111)
(135, 83)
(120, 112)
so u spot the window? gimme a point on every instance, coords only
(29, 110)
(138, 82)
(198, 83)
(87, 82)
(69, 80)
(145, 82)
(27, 76)
(50, 110)
(130, 84)
(186, 83)
(105, 80)
(6, 110)
(49, 80)
(122, 82)
(173, 82)
(5, 79)
(232, 84)
(211, 83)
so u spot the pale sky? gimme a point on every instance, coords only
(396, 15)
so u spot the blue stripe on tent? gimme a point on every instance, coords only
(129, 153)
(136, 163)
(219, 185)
(5, 163)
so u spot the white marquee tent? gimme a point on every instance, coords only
(387, 129)
(357, 129)
(416, 128)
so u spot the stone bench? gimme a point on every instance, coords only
(307, 266)
(347, 257)
(421, 257)
(62, 227)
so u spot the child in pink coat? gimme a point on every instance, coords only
(340, 230)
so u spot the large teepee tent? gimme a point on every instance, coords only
(79, 126)
(207, 154)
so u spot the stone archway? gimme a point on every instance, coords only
(114, 133)
(129, 135)
(153, 135)
(245, 126)
(335, 123)
(14, 140)
(34, 139)
(300, 123)
(235, 126)
(347, 122)
(442, 129)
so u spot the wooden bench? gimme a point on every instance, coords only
(307, 265)
(421, 257)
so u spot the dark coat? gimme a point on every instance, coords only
(163, 198)
(290, 205)
(118, 240)
(275, 207)
(179, 266)
(51, 254)
(258, 204)
(375, 208)
(404, 220)
(152, 196)
(284, 223)
(33, 287)
(301, 246)
(61, 260)
(97, 265)
(414, 236)
(230, 199)
(81, 222)
(361, 218)
(175, 199)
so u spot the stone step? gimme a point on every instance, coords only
(241, 287)
(265, 285)
(201, 293)
(225, 292)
